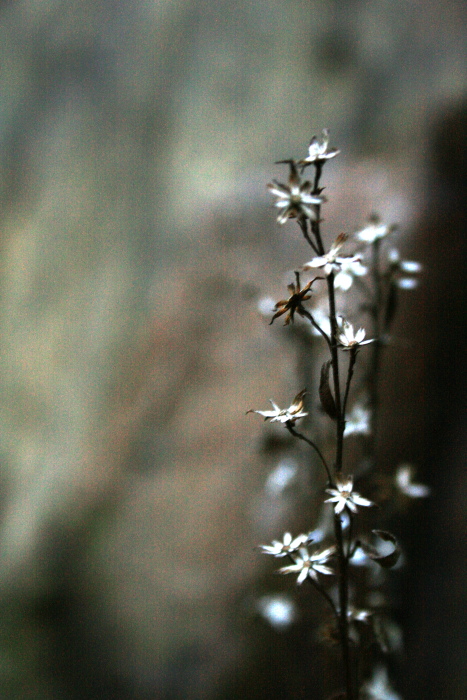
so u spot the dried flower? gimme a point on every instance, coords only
(309, 565)
(404, 483)
(294, 302)
(345, 497)
(285, 415)
(319, 150)
(349, 339)
(287, 546)
(358, 422)
(295, 199)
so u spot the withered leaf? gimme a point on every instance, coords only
(388, 559)
(325, 393)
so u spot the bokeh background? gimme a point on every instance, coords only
(136, 239)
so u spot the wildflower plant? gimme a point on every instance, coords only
(341, 563)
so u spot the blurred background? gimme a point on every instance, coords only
(137, 236)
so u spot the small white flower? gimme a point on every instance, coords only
(329, 262)
(358, 422)
(285, 415)
(378, 687)
(349, 269)
(349, 339)
(281, 477)
(295, 199)
(266, 306)
(355, 615)
(374, 231)
(404, 483)
(319, 150)
(407, 267)
(407, 283)
(287, 546)
(309, 565)
(279, 610)
(345, 497)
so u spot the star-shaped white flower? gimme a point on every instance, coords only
(357, 422)
(374, 231)
(345, 497)
(285, 415)
(399, 268)
(349, 339)
(349, 269)
(309, 565)
(287, 546)
(404, 483)
(295, 199)
(330, 262)
(319, 150)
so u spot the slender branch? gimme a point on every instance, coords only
(343, 619)
(300, 436)
(304, 228)
(340, 422)
(372, 378)
(307, 315)
(343, 584)
(350, 371)
(326, 595)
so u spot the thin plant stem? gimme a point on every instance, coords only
(350, 370)
(343, 622)
(326, 595)
(304, 228)
(373, 373)
(307, 315)
(300, 436)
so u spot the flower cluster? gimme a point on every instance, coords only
(366, 259)
(305, 564)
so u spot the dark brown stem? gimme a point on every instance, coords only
(376, 309)
(343, 619)
(303, 226)
(307, 315)
(350, 370)
(343, 583)
(298, 435)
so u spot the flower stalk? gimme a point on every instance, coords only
(302, 200)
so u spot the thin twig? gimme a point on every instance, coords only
(300, 436)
